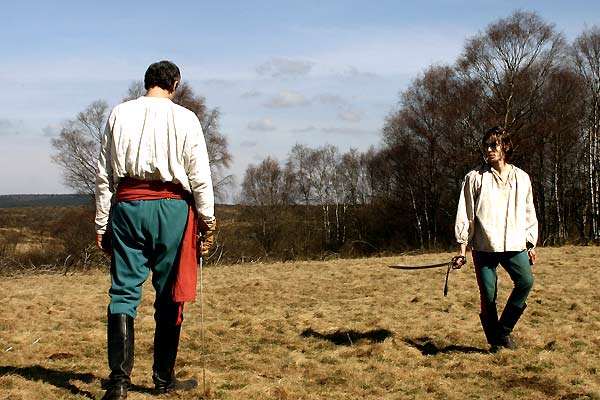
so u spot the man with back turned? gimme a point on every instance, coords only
(154, 180)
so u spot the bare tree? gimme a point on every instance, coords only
(301, 170)
(585, 54)
(430, 149)
(135, 90)
(77, 147)
(354, 176)
(264, 185)
(560, 152)
(265, 192)
(511, 61)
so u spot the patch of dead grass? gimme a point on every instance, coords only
(278, 331)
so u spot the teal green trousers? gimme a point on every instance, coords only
(516, 263)
(146, 236)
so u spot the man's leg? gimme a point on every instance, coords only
(128, 273)
(166, 315)
(518, 267)
(120, 336)
(487, 280)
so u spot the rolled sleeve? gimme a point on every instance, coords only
(104, 186)
(531, 222)
(465, 214)
(199, 174)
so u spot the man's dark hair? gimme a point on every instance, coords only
(162, 74)
(502, 137)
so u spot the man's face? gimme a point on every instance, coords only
(493, 149)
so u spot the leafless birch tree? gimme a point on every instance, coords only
(586, 57)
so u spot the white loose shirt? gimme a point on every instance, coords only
(152, 138)
(494, 215)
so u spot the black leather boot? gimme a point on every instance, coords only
(491, 326)
(508, 320)
(120, 355)
(166, 343)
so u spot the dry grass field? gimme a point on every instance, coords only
(341, 329)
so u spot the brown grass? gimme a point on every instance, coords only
(343, 329)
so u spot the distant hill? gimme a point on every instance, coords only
(44, 200)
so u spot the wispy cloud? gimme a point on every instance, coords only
(250, 94)
(306, 129)
(353, 72)
(218, 82)
(10, 127)
(344, 131)
(263, 125)
(51, 130)
(284, 67)
(248, 143)
(286, 99)
(350, 116)
(331, 99)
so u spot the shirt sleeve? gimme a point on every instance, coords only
(465, 214)
(198, 171)
(104, 185)
(531, 222)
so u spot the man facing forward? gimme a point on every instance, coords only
(153, 158)
(496, 218)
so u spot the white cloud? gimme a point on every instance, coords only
(353, 72)
(10, 127)
(376, 52)
(331, 99)
(250, 94)
(284, 67)
(287, 99)
(263, 125)
(248, 143)
(350, 116)
(343, 131)
(306, 129)
(223, 83)
(51, 130)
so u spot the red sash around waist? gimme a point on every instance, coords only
(184, 289)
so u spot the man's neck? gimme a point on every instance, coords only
(500, 166)
(157, 91)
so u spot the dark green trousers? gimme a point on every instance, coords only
(516, 263)
(146, 236)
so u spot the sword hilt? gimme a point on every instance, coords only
(455, 259)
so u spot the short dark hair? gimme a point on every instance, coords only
(503, 137)
(162, 74)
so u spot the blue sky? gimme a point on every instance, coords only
(280, 72)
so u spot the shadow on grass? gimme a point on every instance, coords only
(347, 338)
(62, 379)
(426, 346)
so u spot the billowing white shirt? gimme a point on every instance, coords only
(152, 138)
(494, 215)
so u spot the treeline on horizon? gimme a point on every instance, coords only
(44, 200)
(520, 74)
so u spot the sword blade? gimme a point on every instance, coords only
(444, 264)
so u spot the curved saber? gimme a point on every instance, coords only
(452, 264)
(202, 350)
(445, 264)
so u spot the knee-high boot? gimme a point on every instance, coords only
(166, 343)
(508, 320)
(120, 334)
(490, 325)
